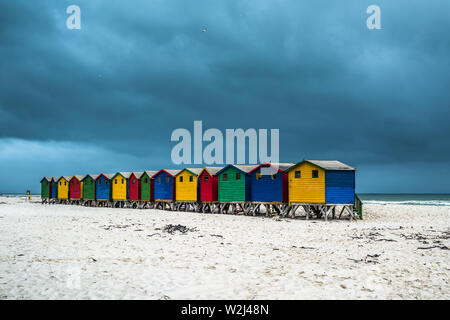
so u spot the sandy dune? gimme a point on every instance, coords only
(72, 252)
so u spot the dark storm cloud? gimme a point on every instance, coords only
(138, 70)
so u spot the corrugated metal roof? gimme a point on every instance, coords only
(212, 170)
(246, 167)
(107, 175)
(150, 173)
(125, 174)
(56, 178)
(173, 172)
(79, 177)
(93, 176)
(195, 171)
(283, 166)
(331, 164)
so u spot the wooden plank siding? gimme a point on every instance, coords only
(119, 187)
(339, 187)
(163, 186)
(88, 188)
(233, 189)
(146, 187)
(63, 188)
(45, 188)
(103, 187)
(186, 186)
(306, 189)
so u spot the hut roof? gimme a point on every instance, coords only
(172, 172)
(139, 174)
(108, 176)
(93, 176)
(278, 165)
(126, 175)
(194, 171)
(79, 177)
(246, 169)
(55, 178)
(46, 178)
(67, 178)
(326, 165)
(212, 170)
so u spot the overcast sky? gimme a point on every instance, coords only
(106, 98)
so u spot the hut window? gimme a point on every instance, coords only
(146, 180)
(60, 183)
(297, 175)
(274, 176)
(122, 181)
(159, 179)
(181, 179)
(206, 178)
(167, 179)
(65, 183)
(238, 176)
(258, 175)
(106, 181)
(99, 181)
(315, 173)
(115, 181)
(191, 178)
(133, 181)
(224, 177)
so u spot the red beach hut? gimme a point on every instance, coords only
(208, 182)
(133, 186)
(75, 187)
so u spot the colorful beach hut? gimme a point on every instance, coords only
(119, 185)
(319, 181)
(234, 183)
(89, 186)
(54, 187)
(46, 189)
(146, 185)
(103, 186)
(63, 187)
(269, 182)
(133, 185)
(164, 184)
(76, 187)
(186, 186)
(208, 182)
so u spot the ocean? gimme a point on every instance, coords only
(404, 198)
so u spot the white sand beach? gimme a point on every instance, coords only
(74, 252)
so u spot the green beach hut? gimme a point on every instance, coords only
(89, 186)
(45, 187)
(145, 184)
(234, 183)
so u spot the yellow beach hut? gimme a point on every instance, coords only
(321, 181)
(119, 184)
(63, 187)
(186, 185)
